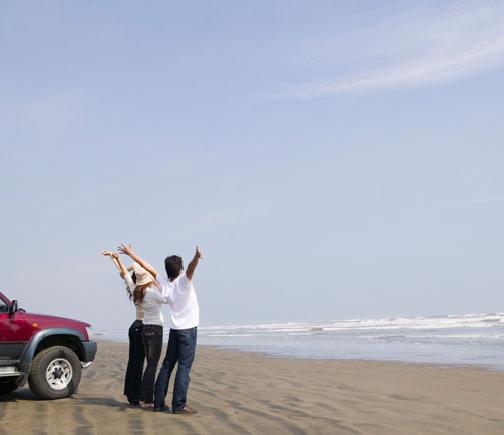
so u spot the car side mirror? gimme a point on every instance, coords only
(13, 307)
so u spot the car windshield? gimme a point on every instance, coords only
(3, 306)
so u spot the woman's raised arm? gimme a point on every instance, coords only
(128, 250)
(117, 261)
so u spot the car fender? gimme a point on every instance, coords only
(29, 350)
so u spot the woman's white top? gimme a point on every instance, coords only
(139, 311)
(138, 306)
(151, 305)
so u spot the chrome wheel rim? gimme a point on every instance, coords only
(59, 374)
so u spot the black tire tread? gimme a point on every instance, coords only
(38, 383)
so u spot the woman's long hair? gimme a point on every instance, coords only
(133, 278)
(139, 293)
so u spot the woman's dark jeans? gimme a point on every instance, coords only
(133, 379)
(181, 349)
(153, 342)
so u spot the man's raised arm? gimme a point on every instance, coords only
(194, 262)
(128, 250)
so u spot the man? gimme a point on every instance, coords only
(184, 321)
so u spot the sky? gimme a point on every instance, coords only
(332, 160)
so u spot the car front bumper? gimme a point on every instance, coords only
(90, 348)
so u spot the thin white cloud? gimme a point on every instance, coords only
(419, 48)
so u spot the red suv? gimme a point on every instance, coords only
(47, 351)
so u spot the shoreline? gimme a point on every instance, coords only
(250, 393)
(228, 348)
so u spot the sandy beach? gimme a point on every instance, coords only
(245, 393)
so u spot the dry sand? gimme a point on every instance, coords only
(244, 393)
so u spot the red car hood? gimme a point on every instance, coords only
(46, 321)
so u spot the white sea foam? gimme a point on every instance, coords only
(445, 339)
(482, 321)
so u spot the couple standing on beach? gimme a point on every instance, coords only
(148, 291)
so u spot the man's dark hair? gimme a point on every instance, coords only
(173, 265)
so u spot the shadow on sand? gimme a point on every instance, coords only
(25, 395)
(22, 394)
(100, 401)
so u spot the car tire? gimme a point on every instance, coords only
(55, 373)
(8, 385)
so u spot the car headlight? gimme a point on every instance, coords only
(89, 330)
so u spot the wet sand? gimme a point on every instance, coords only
(244, 393)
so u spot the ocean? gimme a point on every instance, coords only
(467, 339)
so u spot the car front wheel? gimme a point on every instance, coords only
(55, 373)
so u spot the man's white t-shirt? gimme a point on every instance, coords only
(181, 295)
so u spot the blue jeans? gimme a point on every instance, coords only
(181, 350)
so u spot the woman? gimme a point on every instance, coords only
(146, 291)
(133, 378)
